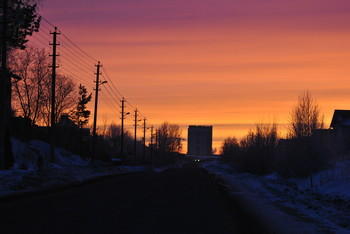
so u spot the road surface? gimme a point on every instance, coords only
(176, 201)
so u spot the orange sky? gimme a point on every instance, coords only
(226, 63)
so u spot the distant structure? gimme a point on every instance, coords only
(200, 140)
(341, 130)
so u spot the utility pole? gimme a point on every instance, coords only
(94, 139)
(53, 95)
(144, 139)
(151, 143)
(157, 143)
(122, 133)
(135, 132)
(4, 86)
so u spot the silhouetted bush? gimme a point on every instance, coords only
(255, 152)
(258, 149)
(304, 156)
(230, 150)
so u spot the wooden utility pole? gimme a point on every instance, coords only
(151, 143)
(135, 133)
(53, 95)
(4, 83)
(157, 143)
(94, 135)
(122, 130)
(144, 139)
(122, 133)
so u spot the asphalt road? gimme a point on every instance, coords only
(176, 201)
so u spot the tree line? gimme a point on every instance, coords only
(165, 144)
(28, 96)
(31, 95)
(301, 154)
(31, 99)
(18, 20)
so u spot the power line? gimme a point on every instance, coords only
(43, 36)
(110, 95)
(75, 59)
(105, 72)
(90, 85)
(75, 45)
(109, 103)
(87, 55)
(73, 69)
(46, 20)
(69, 59)
(39, 40)
(77, 52)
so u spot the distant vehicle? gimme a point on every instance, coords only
(197, 160)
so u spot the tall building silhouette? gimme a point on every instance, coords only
(200, 140)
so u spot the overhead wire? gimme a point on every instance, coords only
(76, 58)
(75, 62)
(39, 40)
(106, 74)
(69, 59)
(82, 51)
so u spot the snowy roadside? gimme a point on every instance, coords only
(290, 205)
(68, 169)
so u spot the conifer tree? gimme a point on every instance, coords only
(80, 115)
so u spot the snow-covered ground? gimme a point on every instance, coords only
(68, 168)
(286, 205)
(291, 205)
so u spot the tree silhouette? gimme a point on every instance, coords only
(305, 117)
(302, 157)
(169, 137)
(19, 19)
(65, 98)
(32, 65)
(230, 147)
(23, 20)
(80, 115)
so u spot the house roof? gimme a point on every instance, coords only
(340, 117)
(66, 121)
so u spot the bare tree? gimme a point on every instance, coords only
(65, 97)
(305, 117)
(169, 136)
(32, 94)
(302, 157)
(113, 137)
(32, 65)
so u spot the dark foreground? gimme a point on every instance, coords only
(175, 201)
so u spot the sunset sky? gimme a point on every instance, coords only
(226, 63)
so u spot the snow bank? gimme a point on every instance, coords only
(32, 170)
(291, 206)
